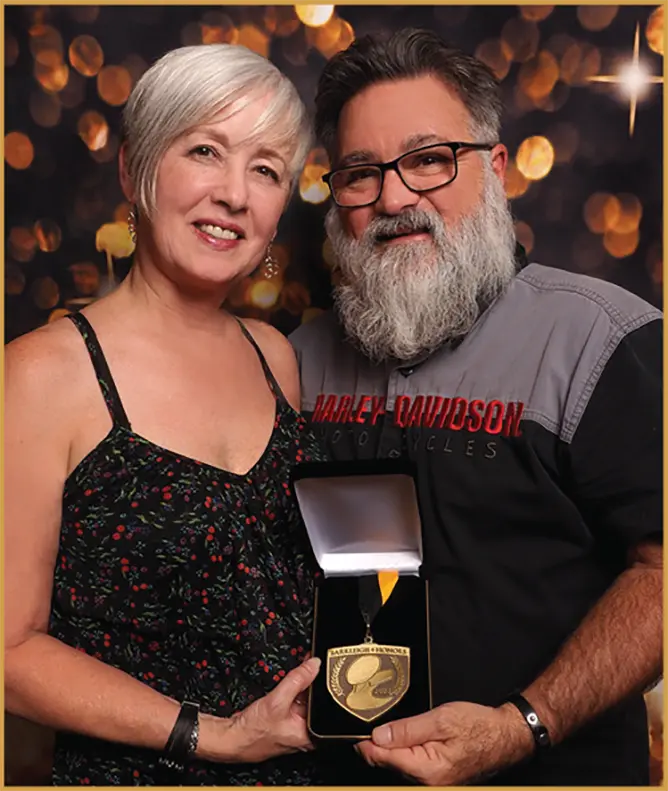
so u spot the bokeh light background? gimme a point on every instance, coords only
(586, 188)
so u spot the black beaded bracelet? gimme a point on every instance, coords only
(539, 732)
(183, 739)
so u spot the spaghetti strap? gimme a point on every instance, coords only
(271, 379)
(104, 377)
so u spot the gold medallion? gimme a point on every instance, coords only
(368, 679)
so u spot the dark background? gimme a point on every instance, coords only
(55, 206)
(597, 210)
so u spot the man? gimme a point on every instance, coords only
(529, 399)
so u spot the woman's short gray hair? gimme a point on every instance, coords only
(190, 86)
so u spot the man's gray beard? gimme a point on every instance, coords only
(409, 298)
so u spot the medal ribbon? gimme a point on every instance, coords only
(374, 591)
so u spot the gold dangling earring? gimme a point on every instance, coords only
(271, 268)
(132, 224)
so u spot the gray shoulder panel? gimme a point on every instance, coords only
(589, 317)
(544, 343)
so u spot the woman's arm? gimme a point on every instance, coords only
(46, 680)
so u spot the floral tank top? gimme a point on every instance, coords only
(190, 578)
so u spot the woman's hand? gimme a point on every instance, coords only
(271, 726)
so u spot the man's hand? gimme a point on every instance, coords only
(454, 744)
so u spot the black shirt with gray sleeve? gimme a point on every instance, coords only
(538, 445)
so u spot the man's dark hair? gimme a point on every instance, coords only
(408, 53)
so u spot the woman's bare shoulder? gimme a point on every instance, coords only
(280, 357)
(44, 358)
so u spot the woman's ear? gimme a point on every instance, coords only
(126, 184)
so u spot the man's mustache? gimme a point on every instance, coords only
(411, 221)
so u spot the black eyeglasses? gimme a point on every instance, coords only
(421, 170)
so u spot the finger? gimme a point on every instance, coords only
(296, 682)
(409, 732)
(365, 750)
(402, 760)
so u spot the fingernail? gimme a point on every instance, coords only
(383, 735)
(314, 662)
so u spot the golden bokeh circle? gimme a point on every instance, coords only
(51, 73)
(254, 39)
(601, 212)
(655, 31)
(630, 214)
(19, 151)
(520, 37)
(48, 235)
(45, 37)
(93, 130)
(525, 235)
(264, 294)
(536, 13)
(15, 279)
(45, 293)
(85, 14)
(554, 100)
(45, 108)
(11, 49)
(114, 238)
(579, 62)
(621, 245)
(516, 183)
(114, 84)
(136, 66)
(86, 278)
(58, 313)
(538, 75)
(280, 21)
(108, 152)
(86, 55)
(22, 244)
(596, 17)
(314, 15)
(494, 54)
(535, 157)
(336, 35)
(121, 212)
(312, 188)
(218, 28)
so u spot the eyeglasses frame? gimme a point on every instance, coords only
(384, 167)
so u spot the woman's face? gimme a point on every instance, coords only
(219, 196)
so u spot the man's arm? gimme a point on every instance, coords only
(617, 651)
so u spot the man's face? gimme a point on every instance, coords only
(416, 268)
(388, 119)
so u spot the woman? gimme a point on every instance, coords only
(154, 554)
